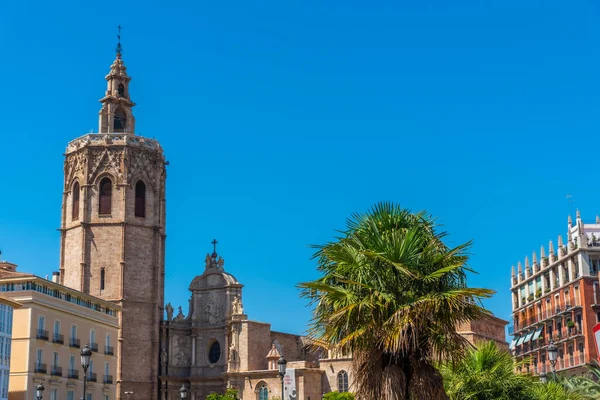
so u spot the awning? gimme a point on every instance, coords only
(528, 337)
(520, 341)
(513, 343)
(537, 333)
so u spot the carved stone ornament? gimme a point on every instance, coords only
(236, 307)
(169, 309)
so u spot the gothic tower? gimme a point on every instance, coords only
(113, 231)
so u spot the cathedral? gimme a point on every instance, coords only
(113, 248)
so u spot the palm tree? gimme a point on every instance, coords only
(391, 294)
(485, 373)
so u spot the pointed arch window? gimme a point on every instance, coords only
(75, 205)
(263, 393)
(120, 121)
(105, 198)
(342, 381)
(140, 199)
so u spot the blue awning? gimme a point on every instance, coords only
(520, 341)
(528, 337)
(537, 333)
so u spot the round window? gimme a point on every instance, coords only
(214, 354)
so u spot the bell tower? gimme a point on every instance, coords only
(113, 231)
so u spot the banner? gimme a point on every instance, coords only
(289, 384)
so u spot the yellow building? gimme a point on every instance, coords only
(49, 330)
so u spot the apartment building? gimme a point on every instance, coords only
(555, 299)
(7, 307)
(49, 330)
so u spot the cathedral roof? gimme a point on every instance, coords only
(214, 275)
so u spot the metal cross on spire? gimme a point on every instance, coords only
(119, 48)
(214, 243)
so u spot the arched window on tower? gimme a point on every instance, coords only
(342, 381)
(105, 198)
(120, 122)
(75, 205)
(140, 199)
(121, 90)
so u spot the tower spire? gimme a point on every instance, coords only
(119, 48)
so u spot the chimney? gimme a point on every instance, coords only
(55, 276)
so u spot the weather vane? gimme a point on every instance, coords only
(119, 47)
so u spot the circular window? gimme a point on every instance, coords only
(214, 354)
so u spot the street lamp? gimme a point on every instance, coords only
(183, 391)
(543, 377)
(281, 364)
(127, 393)
(552, 356)
(39, 390)
(86, 354)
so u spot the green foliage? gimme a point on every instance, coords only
(338, 396)
(392, 292)
(230, 394)
(553, 391)
(486, 373)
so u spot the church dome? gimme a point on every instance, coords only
(214, 276)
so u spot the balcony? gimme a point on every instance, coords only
(41, 334)
(58, 338)
(109, 350)
(41, 368)
(108, 379)
(94, 347)
(56, 371)
(74, 342)
(92, 377)
(73, 374)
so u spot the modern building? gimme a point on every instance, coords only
(555, 299)
(49, 329)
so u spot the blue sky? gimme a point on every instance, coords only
(281, 118)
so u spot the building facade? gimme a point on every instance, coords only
(484, 330)
(555, 299)
(49, 329)
(7, 307)
(216, 347)
(113, 230)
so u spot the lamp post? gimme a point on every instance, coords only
(552, 356)
(183, 391)
(281, 364)
(86, 354)
(39, 390)
(543, 377)
(127, 393)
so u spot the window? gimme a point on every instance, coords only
(107, 342)
(263, 393)
(56, 328)
(92, 336)
(102, 277)
(106, 369)
(214, 354)
(121, 90)
(72, 362)
(41, 321)
(105, 200)
(140, 199)
(73, 331)
(88, 396)
(55, 359)
(54, 394)
(39, 356)
(120, 120)
(70, 395)
(75, 206)
(342, 379)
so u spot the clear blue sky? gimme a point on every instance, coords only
(281, 118)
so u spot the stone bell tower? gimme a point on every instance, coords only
(113, 231)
